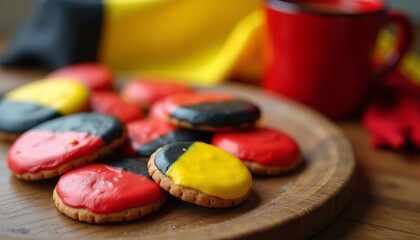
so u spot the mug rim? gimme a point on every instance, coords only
(282, 5)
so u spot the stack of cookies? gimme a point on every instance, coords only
(117, 153)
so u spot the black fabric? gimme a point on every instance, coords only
(59, 33)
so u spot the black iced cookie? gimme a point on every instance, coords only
(209, 111)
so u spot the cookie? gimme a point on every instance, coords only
(148, 135)
(264, 151)
(143, 92)
(108, 102)
(210, 111)
(156, 111)
(37, 102)
(62, 144)
(113, 190)
(201, 173)
(93, 75)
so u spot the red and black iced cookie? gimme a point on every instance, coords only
(62, 144)
(145, 91)
(263, 150)
(93, 75)
(210, 111)
(113, 190)
(108, 102)
(148, 135)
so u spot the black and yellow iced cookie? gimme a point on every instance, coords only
(201, 173)
(39, 101)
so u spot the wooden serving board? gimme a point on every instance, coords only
(294, 206)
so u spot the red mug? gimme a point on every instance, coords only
(320, 52)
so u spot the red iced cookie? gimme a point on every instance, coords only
(148, 135)
(95, 76)
(157, 110)
(111, 103)
(145, 92)
(116, 189)
(263, 150)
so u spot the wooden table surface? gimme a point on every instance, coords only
(386, 202)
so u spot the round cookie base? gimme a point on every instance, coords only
(143, 106)
(83, 214)
(188, 194)
(80, 161)
(9, 137)
(259, 169)
(208, 128)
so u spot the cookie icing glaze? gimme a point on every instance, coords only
(149, 135)
(157, 110)
(204, 167)
(146, 91)
(93, 75)
(104, 189)
(40, 101)
(218, 114)
(126, 164)
(62, 95)
(38, 150)
(17, 117)
(105, 127)
(174, 101)
(107, 102)
(262, 145)
(172, 137)
(146, 130)
(61, 140)
(211, 109)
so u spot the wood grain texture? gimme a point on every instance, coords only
(386, 179)
(294, 206)
(386, 202)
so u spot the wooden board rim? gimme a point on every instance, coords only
(294, 224)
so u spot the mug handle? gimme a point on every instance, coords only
(404, 36)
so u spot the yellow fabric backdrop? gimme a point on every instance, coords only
(196, 41)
